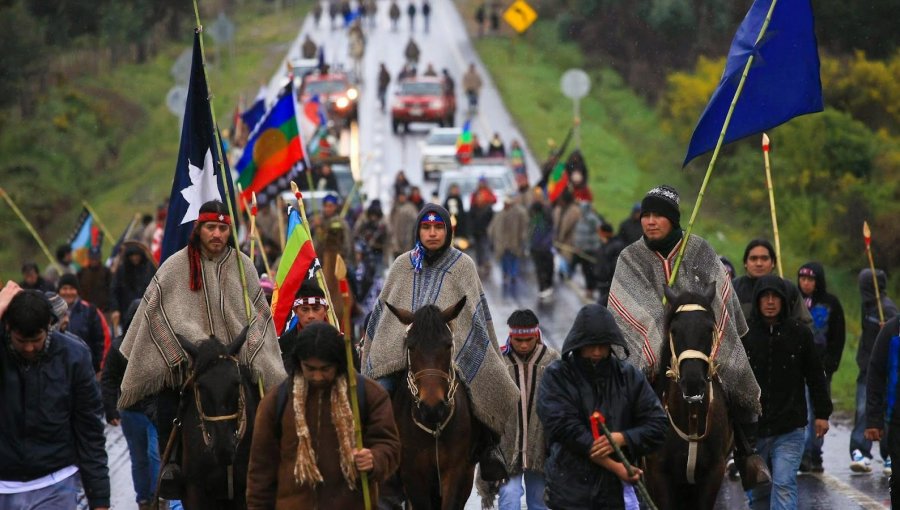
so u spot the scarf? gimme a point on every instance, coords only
(305, 470)
(665, 245)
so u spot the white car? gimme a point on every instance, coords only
(439, 151)
(498, 175)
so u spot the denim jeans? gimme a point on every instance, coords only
(63, 495)
(510, 265)
(512, 491)
(858, 440)
(783, 454)
(140, 434)
(813, 448)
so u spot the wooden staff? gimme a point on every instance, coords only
(765, 148)
(262, 248)
(34, 234)
(320, 278)
(598, 425)
(99, 223)
(253, 209)
(867, 235)
(340, 272)
(279, 205)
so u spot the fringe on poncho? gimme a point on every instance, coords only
(169, 307)
(443, 283)
(636, 302)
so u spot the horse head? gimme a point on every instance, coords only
(431, 376)
(691, 327)
(219, 394)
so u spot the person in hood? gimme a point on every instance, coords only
(882, 418)
(434, 272)
(136, 269)
(760, 259)
(785, 361)
(860, 446)
(582, 472)
(829, 333)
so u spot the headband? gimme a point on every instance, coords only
(311, 300)
(212, 216)
(432, 217)
(525, 331)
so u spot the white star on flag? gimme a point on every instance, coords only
(203, 187)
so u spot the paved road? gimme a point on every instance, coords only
(383, 154)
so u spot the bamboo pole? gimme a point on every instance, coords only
(867, 235)
(765, 147)
(340, 272)
(598, 421)
(253, 209)
(34, 234)
(279, 206)
(212, 112)
(719, 143)
(99, 222)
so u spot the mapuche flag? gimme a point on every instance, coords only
(85, 236)
(197, 178)
(274, 152)
(464, 145)
(557, 182)
(783, 81)
(298, 262)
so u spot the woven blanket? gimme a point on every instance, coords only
(636, 303)
(477, 354)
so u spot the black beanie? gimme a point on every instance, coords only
(663, 200)
(70, 280)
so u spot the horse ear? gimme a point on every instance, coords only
(404, 316)
(670, 293)
(235, 346)
(451, 312)
(709, 292)
(188, 347)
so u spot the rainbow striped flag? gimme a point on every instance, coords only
(558, 181)
(85, 236)
(464, 147)
(298, 263)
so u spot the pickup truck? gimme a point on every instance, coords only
(422, 99)
(335, 92)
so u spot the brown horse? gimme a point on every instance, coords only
(688, 471)
(217, 411)
(433, 417)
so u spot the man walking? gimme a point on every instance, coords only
(85, 320)
(508, 233)
(759, 260)
(472, 86)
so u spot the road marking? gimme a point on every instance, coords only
(858, 497)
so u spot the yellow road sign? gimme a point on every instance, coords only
(520, 16)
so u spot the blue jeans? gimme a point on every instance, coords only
(511, 492)
(813, 448)
(783, 454)
(143, 446)
(858, 440)
(63, 495)
(510, 265)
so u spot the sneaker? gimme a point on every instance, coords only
(860, 463)
(732, 470)
(887, 467)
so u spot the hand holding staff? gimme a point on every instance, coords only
(867, 235)
(598, 424)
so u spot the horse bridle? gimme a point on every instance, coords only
(412, 379)
(240, 414)
(674, 373)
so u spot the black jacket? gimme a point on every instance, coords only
(882, 377)
(129, 282)
(87, 323)
(871, 322)
(571, 390)
(51, 416)
(829, 329)
(744, 288)
(784, 361)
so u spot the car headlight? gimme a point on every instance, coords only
(342, 102)
(352, 94)
(436, 104)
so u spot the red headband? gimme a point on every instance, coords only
(212, 216)
(536, 330)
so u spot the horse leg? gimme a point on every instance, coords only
(457, 484)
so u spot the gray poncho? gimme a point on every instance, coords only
(443, 283)
(636, 303)
(155, 359)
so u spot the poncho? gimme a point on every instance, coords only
(636, 301)
(169, 307)
(477, 355)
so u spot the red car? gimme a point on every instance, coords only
(335, 92)
(423, 99)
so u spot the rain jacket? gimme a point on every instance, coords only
(829, 330)
(882, 377)
(571, 390)
(871, 322)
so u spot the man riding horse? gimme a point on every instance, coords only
(636, 300)
(434, 272)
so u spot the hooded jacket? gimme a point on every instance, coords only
(882, 379)
(785, 363)
(871, 322)
(129, 281)
(571, 390)
(829, 330)
(745, 285)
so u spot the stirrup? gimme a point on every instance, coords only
(754, 471)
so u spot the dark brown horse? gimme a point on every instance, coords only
(433, 417)
(688, 471)
(217, 411)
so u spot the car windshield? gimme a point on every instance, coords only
(325, 87)
(442, 139)
(418, 88)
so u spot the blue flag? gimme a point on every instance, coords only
(782, 83)
(197, 178)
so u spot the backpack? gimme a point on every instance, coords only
(287, 388)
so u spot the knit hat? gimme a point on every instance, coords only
(330, 199)
(69, 279)
(663, 200)
(58, 306)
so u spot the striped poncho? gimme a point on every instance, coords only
(636, 302)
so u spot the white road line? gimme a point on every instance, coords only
(858, 497)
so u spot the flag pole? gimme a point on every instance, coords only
(867, 236)
(719, 143)
(279, 205)
(765, 147)
(34, 234)
(255, 232)
(97, 219)
(320, 279)
(212, 112)
(340, 272)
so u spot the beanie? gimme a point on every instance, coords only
(69, 279)
(663, 200)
